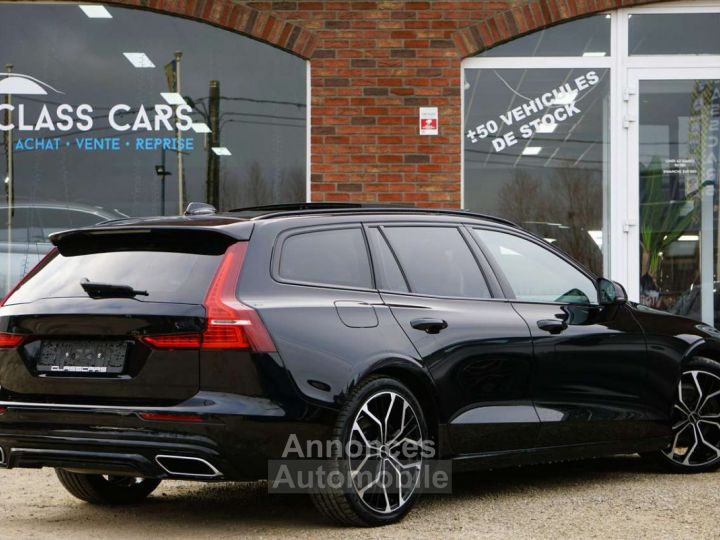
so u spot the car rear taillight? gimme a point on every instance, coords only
(10, 341)
(230, 323)
(174, 341)
(3, 410)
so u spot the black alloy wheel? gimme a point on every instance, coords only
(384, 436)
(695, 445)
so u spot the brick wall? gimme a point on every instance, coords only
(372, 65)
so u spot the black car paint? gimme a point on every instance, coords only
(498, 389)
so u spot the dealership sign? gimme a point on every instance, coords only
(64, 118)
(536, 114)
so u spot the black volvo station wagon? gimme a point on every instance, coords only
(195, 347)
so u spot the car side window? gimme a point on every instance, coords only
(387, 271)
(537, 274)
(335, 257)
(437, 261)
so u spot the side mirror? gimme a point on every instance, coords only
(610, 292)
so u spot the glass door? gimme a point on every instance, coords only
(674, 135)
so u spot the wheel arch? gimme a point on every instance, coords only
(413, 375)
(706, 348)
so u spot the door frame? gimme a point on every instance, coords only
(631, 124)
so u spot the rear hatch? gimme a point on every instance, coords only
(84, 326)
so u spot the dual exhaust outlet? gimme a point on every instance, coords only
(189, 467)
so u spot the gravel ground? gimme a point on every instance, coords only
(606, 498)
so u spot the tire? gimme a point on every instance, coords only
(695, 446)
(106, 490)
(358, 503)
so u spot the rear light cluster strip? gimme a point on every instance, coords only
(231, 324)
(10, 341)
(174, 341)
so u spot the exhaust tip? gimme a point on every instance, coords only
(191, 467)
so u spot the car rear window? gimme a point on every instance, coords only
(166, 276)
(335, 257)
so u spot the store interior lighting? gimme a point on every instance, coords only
(566, 98)
(201, 127)
(139, 59)
(173, 98)
(95, 12)
(547, 128)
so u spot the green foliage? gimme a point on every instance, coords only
(662, 219)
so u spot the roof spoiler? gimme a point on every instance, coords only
(197, 240)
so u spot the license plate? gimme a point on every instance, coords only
(89, 357)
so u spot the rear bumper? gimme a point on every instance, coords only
(234, 440)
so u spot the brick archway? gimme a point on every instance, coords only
(528, 17)
(239, 18)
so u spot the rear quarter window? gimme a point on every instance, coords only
(334, 257)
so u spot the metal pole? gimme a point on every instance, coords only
(707, 310)
(212, 182)
(9, 187)
(162, 182)
(181, 183)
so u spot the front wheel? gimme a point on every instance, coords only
(383, 434)
(106, 489)
(696, 420)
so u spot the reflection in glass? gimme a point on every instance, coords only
(583, 37)
(536, 152)
(674, 33)
(96, 104)
(679, 145)
(255, 94)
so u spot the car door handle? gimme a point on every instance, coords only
(553, 326)
(430, 326)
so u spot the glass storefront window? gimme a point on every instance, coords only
(254, 93)
(678, 155)
(137, 114)
(585, 37)
(673, 33)
(536, 152)
(653, 223)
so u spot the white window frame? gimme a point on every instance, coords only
(621, 198)
(308, 133)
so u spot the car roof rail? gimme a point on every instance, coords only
(300, 209)
(293, 207)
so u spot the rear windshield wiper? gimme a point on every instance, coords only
(109, 290)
